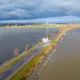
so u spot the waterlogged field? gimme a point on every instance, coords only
(11, 38)
(64, 63)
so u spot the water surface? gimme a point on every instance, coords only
(64, 64)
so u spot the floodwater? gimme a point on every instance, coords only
(11, 38)
(64, 64)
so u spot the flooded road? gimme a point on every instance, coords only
(64, 63)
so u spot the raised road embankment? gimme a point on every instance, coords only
(25, 72)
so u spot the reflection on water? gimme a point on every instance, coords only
(64, 64)
(18, 38)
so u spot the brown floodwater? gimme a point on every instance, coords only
(64, 64)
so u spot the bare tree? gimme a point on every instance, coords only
(49, 35)
(27, 47)
(16, 51)
(39, 41)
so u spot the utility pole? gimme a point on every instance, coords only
(47, 29)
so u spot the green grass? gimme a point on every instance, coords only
(26, 68)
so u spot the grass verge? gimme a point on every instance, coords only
(22, 74)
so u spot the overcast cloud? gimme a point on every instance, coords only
(40, 9)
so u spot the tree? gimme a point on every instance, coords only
(16, 51)
(49, 35)
(39, 41)
(27, 47)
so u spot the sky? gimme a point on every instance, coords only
(39, 11)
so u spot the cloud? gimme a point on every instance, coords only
(32, 9)
(20, 13)
(63, 19)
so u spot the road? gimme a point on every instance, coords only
(15, 67)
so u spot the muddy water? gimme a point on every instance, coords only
(64, 64)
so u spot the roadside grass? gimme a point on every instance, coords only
(21, 75)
